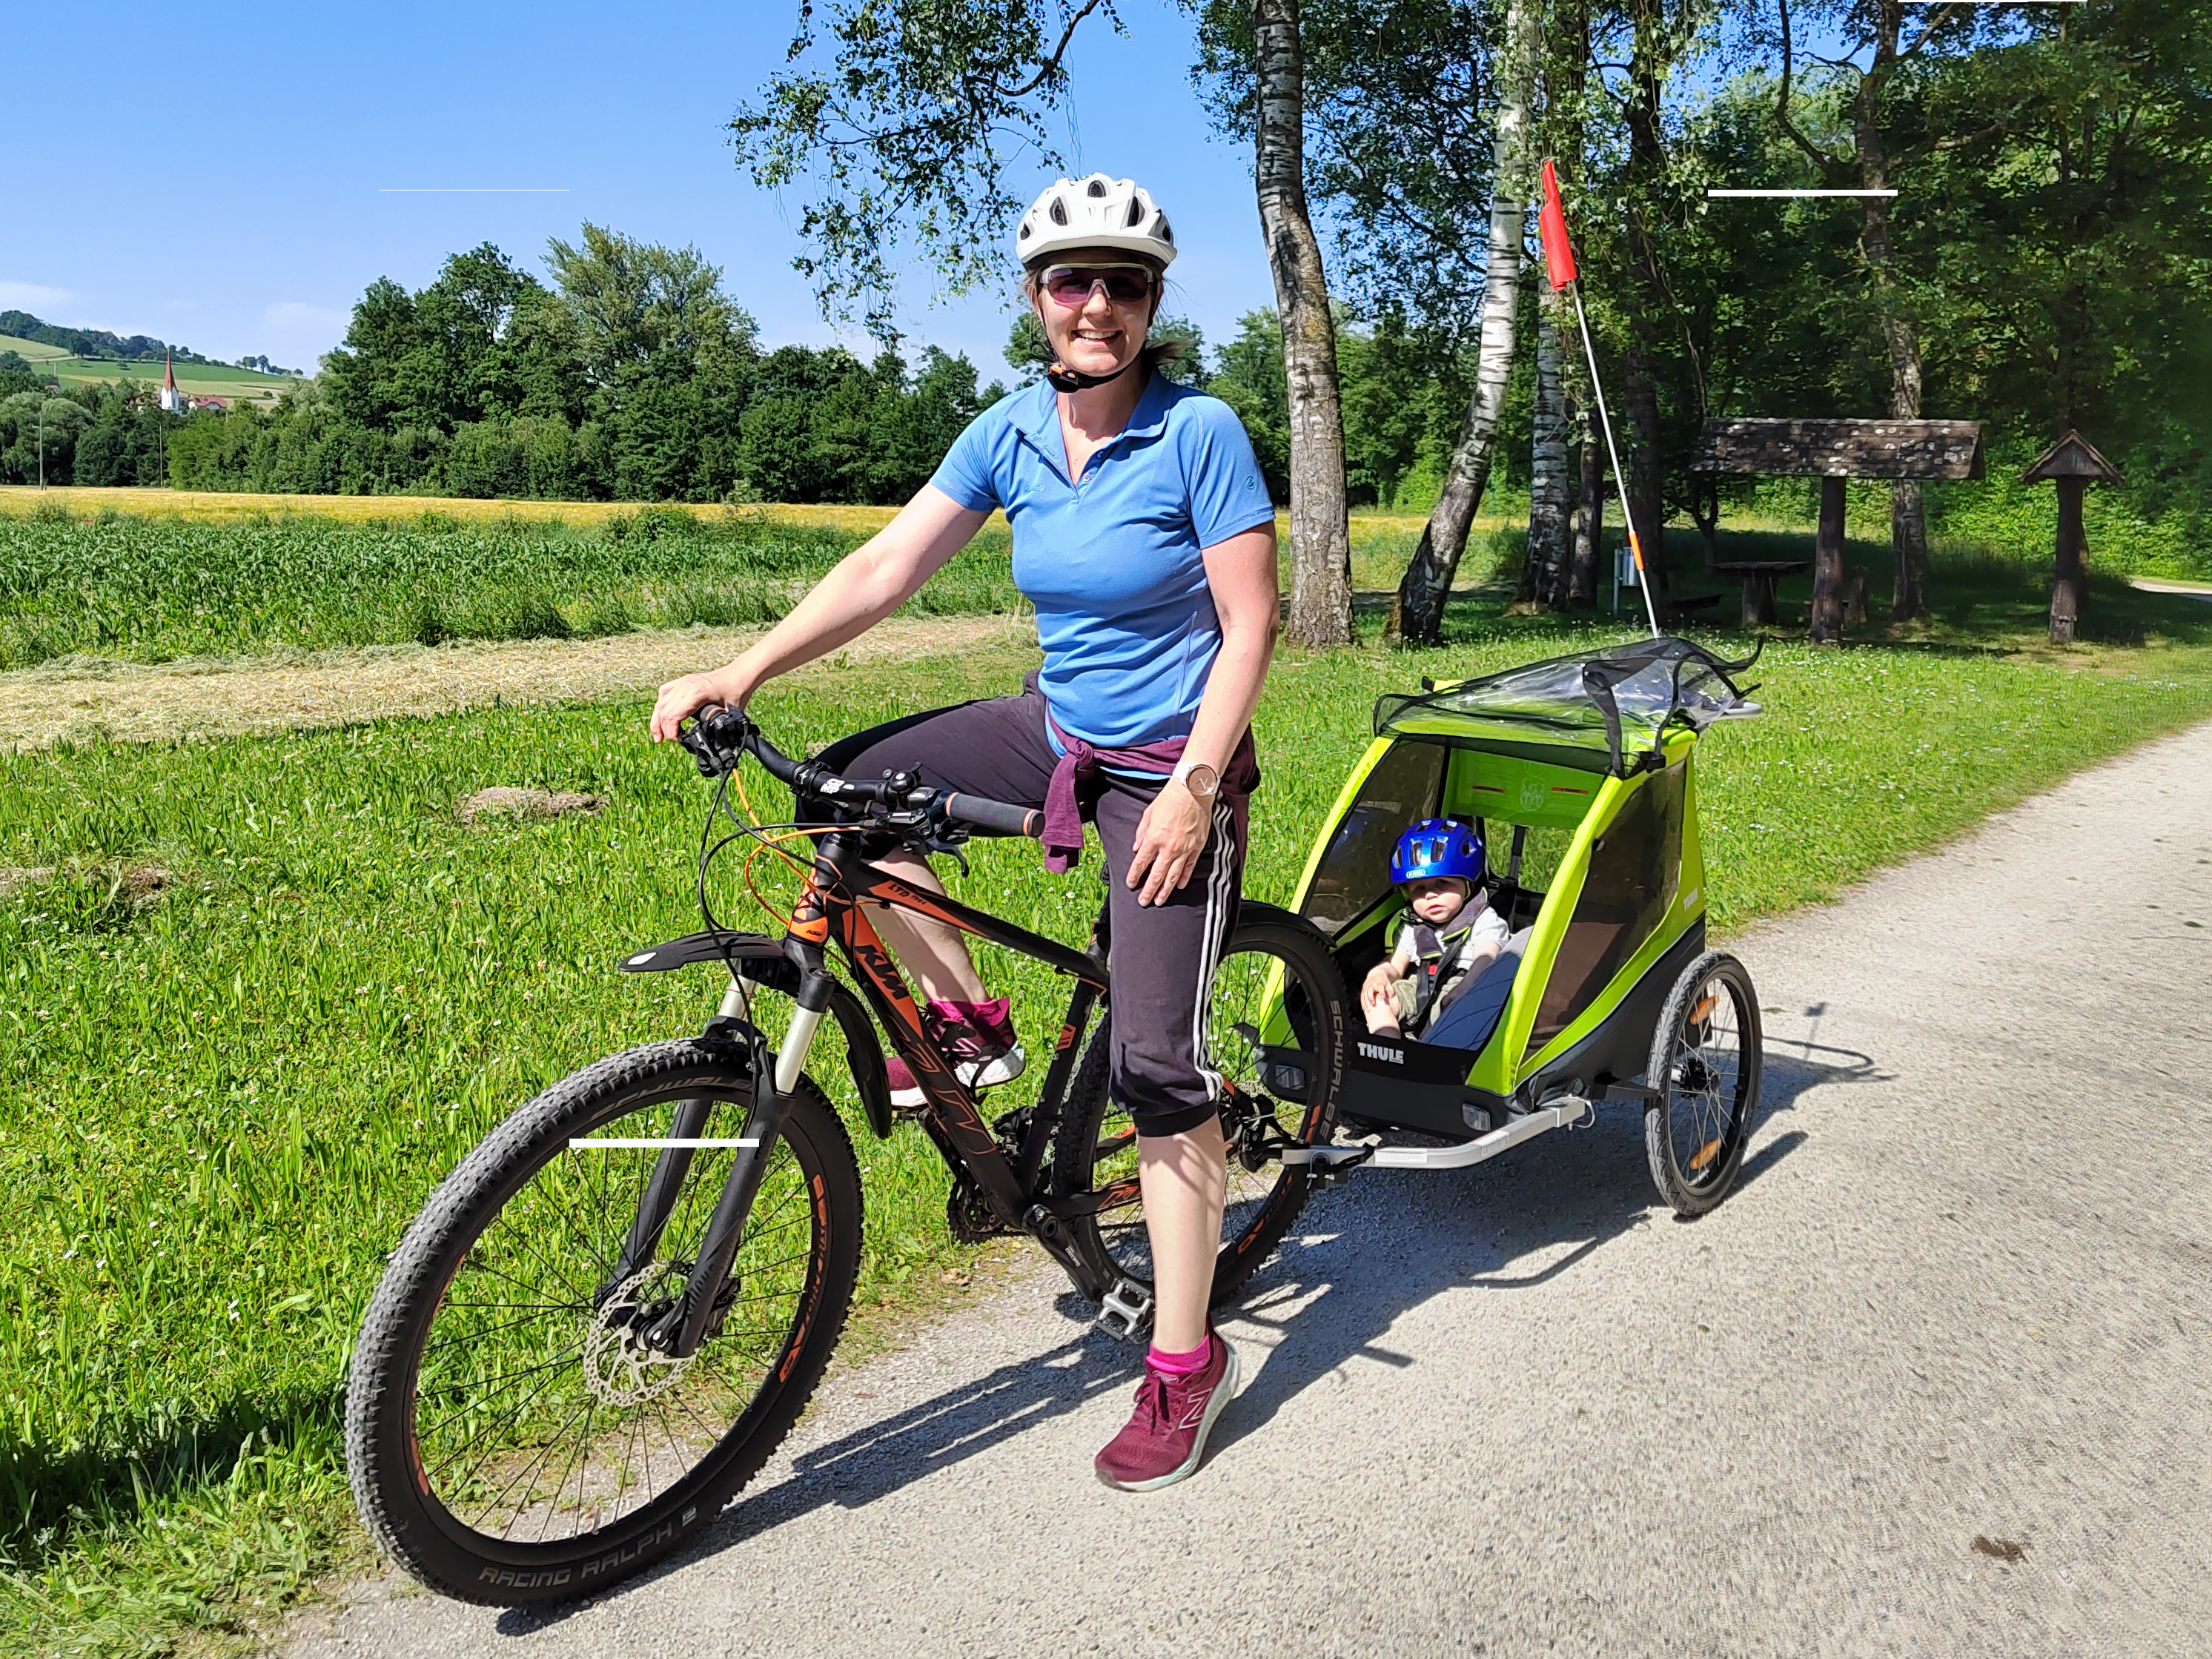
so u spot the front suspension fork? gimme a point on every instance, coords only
(681, 1330)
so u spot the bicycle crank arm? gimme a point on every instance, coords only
(1051, 1232)
(680, 1331)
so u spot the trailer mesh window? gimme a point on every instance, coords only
(1406, 784)
(1634, 868)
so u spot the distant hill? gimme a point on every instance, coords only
(100, 344)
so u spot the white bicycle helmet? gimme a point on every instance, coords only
(1097, 212)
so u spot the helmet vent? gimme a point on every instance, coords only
(1098, 187)
(1059, 211)
(1166, 235)
(1023, 234)
(1136, 212)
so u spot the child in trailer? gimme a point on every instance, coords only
(1449, 933)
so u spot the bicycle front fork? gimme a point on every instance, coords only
(679, 1332)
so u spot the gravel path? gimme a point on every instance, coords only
(1960, 1296)
(208, 697)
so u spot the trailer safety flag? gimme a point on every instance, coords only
(1552, 226)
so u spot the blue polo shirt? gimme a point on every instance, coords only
(1111, 560)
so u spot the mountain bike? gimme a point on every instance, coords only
(612, 1311)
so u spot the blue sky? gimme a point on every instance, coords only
(211, 174)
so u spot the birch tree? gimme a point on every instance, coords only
(1418, 615)
(1549, 485)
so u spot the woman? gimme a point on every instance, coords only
(1144, 536)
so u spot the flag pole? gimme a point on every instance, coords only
(1620, 483)
(1559, 264)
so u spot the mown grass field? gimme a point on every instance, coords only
(257, 995)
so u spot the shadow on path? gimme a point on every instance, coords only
(1363, 1256)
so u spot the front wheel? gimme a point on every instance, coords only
(512, 1437)
(1275, 1026)
(1706, 1056)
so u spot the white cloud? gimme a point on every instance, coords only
(32, 296)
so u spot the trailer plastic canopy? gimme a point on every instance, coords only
(1606, 710)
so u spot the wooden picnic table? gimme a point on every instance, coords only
(1832, 451)
(1759, 576)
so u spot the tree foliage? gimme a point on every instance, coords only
(904, 136)
(634, 377)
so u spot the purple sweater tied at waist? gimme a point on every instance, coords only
(1063, 809)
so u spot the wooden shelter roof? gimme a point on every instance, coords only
(1841, 449)
(2072, 457)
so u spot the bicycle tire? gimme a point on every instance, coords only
(1095, 1143)
(495, 1224)
(1706, 1054)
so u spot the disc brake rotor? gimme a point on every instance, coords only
(619, 1369)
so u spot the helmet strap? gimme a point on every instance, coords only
(1061, 378)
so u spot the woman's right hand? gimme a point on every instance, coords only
(680, 699)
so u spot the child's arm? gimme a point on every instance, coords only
(1380, 978)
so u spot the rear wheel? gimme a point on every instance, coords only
(1275, 1028)
(1705, 1055)
(510, 1438)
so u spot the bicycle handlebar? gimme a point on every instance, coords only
(720, 737)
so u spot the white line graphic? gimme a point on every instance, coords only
(612, 1143)
(1801, 192)
(473, 190)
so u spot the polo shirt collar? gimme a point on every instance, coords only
(1039, 419)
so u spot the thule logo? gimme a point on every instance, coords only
(1382, 1051)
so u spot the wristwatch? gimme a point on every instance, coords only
(1202, 782)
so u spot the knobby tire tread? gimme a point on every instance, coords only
(462, 1207)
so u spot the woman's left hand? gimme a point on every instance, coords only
(1170, 838)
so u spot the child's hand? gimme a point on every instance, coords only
(1375, 988)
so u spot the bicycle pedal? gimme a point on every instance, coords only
(1126, 1311)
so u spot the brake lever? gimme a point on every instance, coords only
(950, 849)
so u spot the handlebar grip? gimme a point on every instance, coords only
(995, 816)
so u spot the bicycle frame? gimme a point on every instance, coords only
(831, 910)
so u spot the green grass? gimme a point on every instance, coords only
(149, 588)
(207, 380)
(220, 1101)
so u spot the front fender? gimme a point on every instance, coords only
(766, 963)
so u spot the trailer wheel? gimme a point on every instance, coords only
(1706, 1056)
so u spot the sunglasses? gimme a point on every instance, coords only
(1073, 285)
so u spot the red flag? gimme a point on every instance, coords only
(1552, 226)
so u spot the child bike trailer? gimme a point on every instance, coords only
(1581, 771)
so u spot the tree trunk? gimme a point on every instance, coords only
(1419, 614)
(1589, 519)
(1826, 626)
(1549, 484)
(1566, 82)
(1321, 539)
(1644, 293)
(1908, 523)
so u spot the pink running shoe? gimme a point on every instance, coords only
(1166, 1437)
(977, 1037)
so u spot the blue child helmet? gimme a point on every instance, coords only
(1436, 848)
